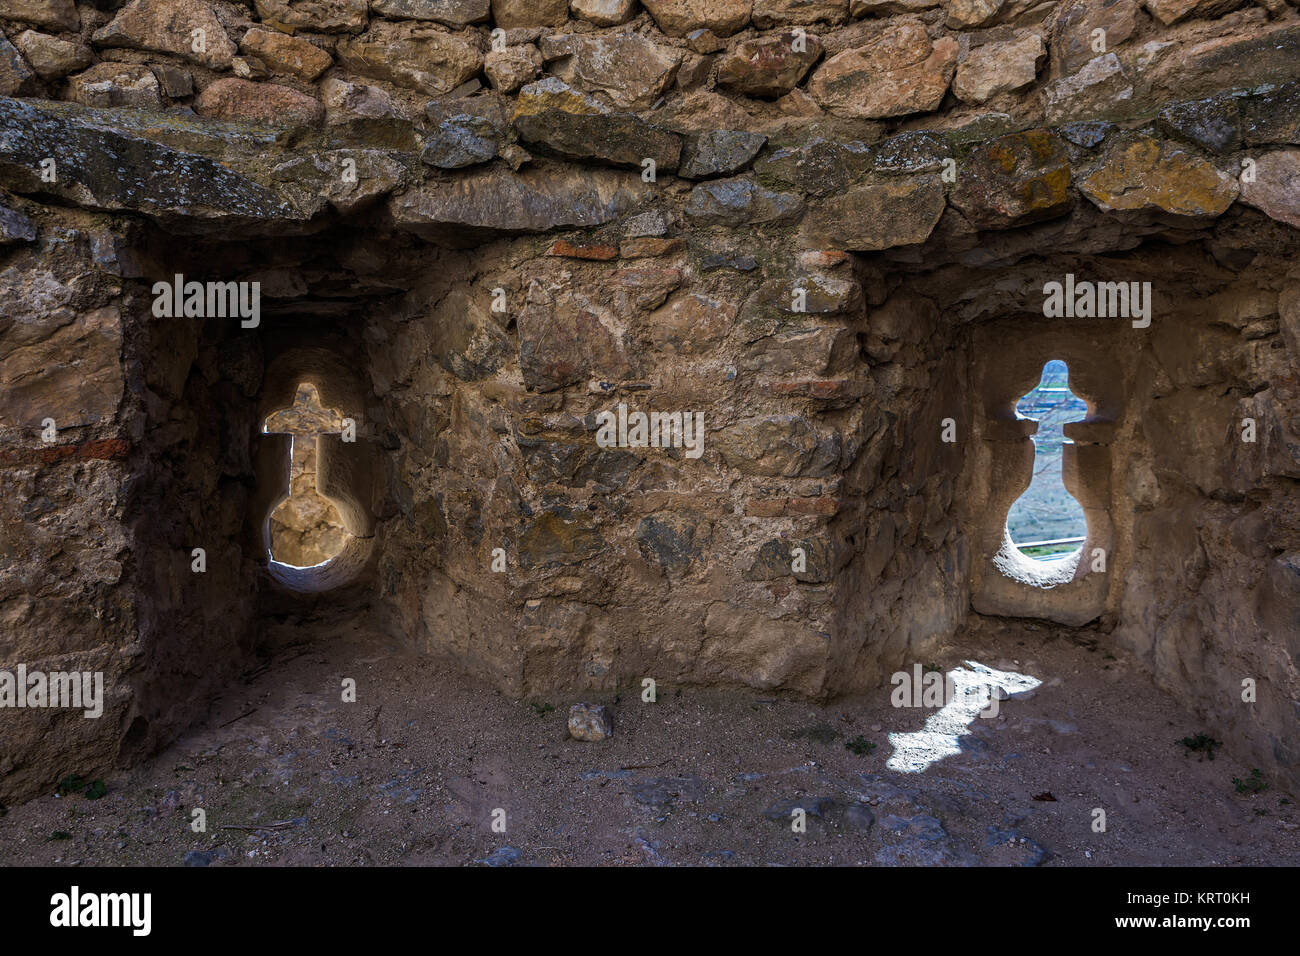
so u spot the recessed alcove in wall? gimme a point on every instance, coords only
(345, 469)
(1008, 359)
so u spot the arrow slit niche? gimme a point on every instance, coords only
(345, 470)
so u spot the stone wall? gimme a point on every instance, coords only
(826, 227)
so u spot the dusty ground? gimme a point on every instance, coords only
(411, 774)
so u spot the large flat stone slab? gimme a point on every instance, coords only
(538, 199)
(113, 160)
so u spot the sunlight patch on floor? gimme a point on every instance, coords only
(972, 690)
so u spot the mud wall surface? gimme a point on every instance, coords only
(818, 233)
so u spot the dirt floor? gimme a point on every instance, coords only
(412, 773)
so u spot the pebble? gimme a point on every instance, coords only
(505, 856)
(206, 857)
(590, 722)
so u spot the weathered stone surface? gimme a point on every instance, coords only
(344, 101)
(1073, 40)
(568, 341)
(286, 54)
(769, 66)
(249, 68)
(559, 536)
(778, 445)
(14, 226)
(1171, 11)
(868, 218)
(235, 99)
(590, 723)
(885, 8)
(1230, 61)
(414, 56)
(641, 288)
(771, 310)
(1275, 190)
(701, 110)
(576, 466)
(1214, 123)
(898, 72)
(65, 367)
(168, 26)
(667, 541)
(604, 13)
(694, 72)
(314, 177)
(317, 16)
(1099, 89)
(174, 81)
(791, 654)
(713, 261)
(490, 108)
(776, 559)
(571, 124)
(680, 17)
(452, 13)
(964, 14)
(1147, 174)
(466, 341)
(1019, 178)
(738, 201)
(1272, 117)
(782, 13)
(719, 153)
(53, 57)
(985, 71)
(807, 352)
(591, 251)
(202, 190)
(509, 69)
(16, 77)
(537, 199)
(1087, 135)
(459, 141)
(51, 14)
(116, 84)
(652, 223)
(650, 248)
(705, 41)
(508, 14)
(818, 167)
(917, 151)
(631, 71)
(691, 324)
